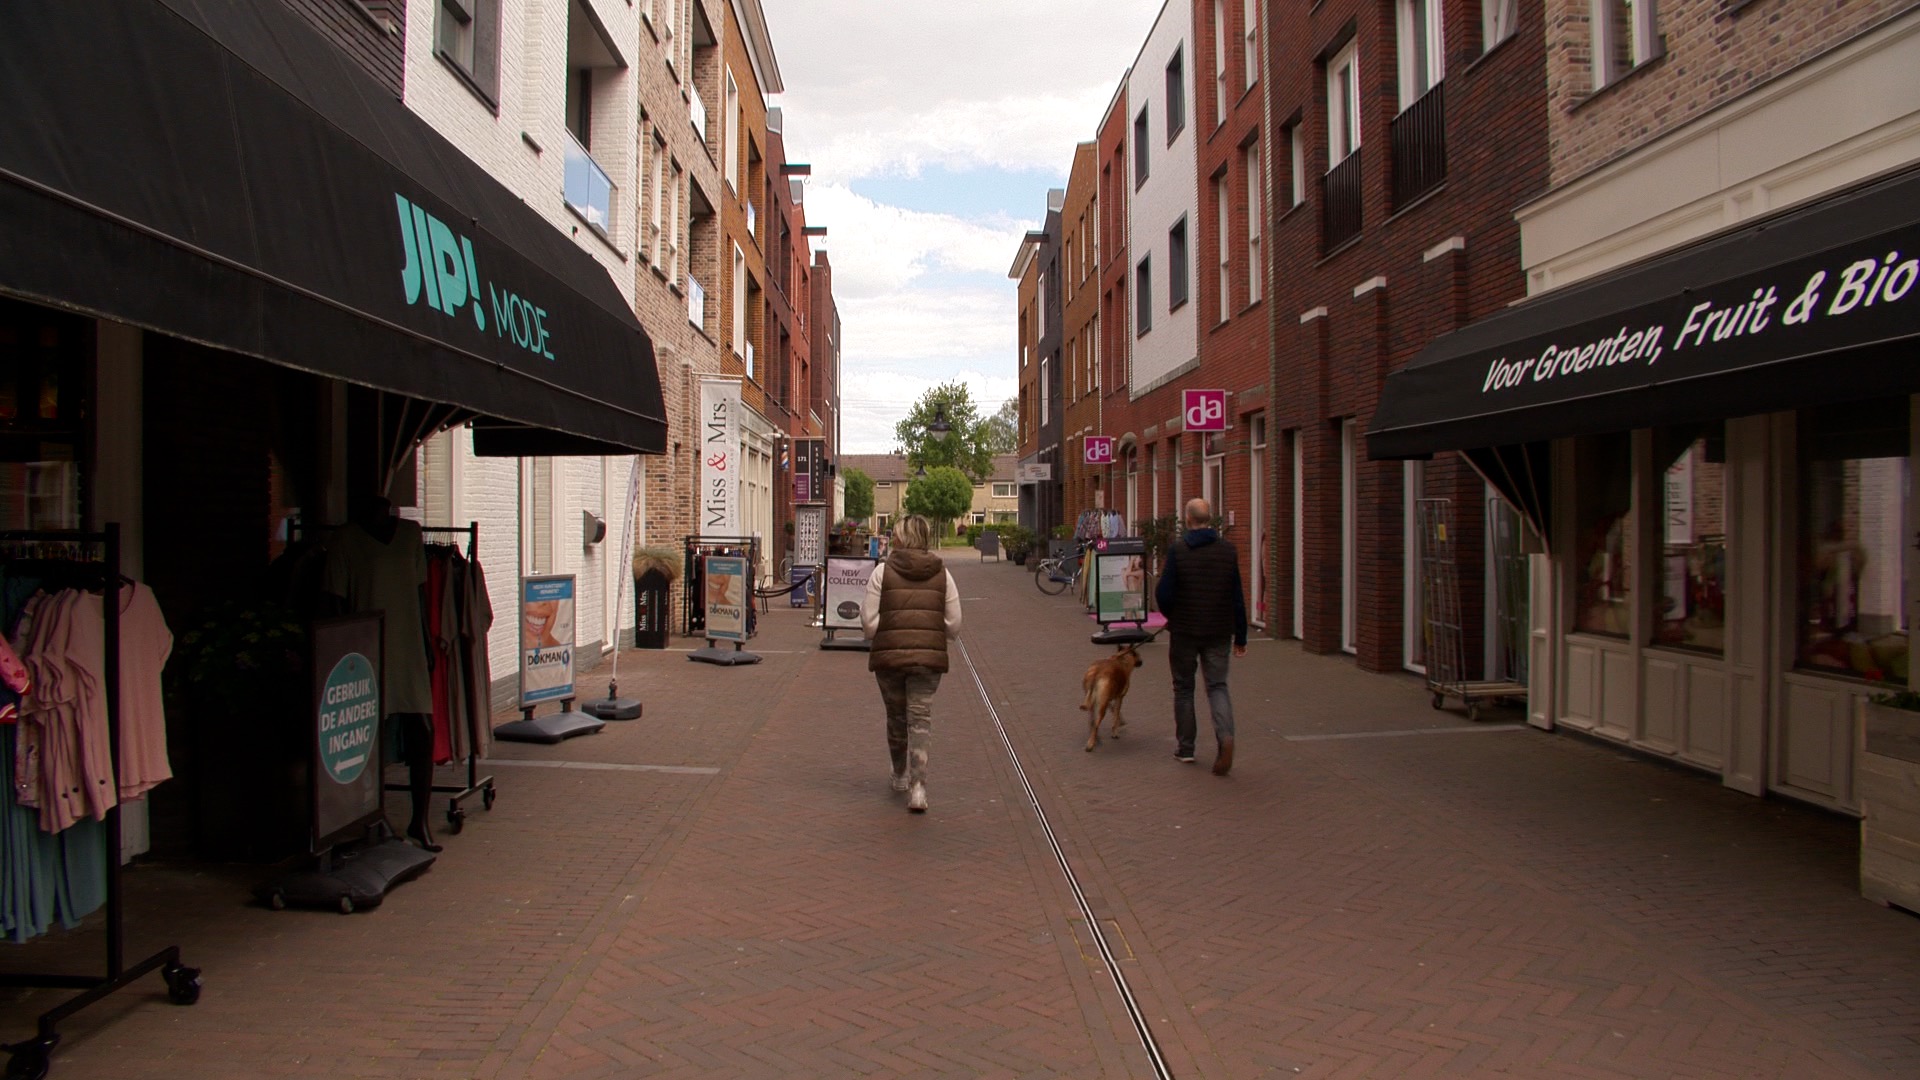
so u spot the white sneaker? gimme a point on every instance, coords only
(900, 782)
(917, 800)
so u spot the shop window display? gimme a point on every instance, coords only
(1603, 534)
(1692, 606)
(43, 386)
(1855, 480)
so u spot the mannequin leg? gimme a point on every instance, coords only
(417, 744)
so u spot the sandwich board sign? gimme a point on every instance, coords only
(546, 639)
(725, 582)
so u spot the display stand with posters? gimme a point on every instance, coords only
(841, 599)
(728, 603)
(546, 664)
(1119, 582)
(344, 770)
(695, 550)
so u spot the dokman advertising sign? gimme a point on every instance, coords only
(720, 457)
(546, 639)
(1697, 336)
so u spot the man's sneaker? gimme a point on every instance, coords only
(917, 800)
(900, 782)
(1184, 755)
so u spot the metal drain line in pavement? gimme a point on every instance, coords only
(1140, 1027)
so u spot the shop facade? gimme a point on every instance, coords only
(1707, 411)
(223, 328)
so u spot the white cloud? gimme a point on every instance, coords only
(884, 87)
(878, 249)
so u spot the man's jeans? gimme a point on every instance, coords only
(1213, 657)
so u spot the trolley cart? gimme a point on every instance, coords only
(1440, 617)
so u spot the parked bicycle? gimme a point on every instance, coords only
(1053, 575)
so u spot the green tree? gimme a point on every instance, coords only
(859, 494)
(965, 447)
(943, 494)
(1003, 428)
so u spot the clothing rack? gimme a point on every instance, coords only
(476, 784)
(31, 1058)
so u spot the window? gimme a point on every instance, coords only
(1046, 391)
(1219, 62)
(1176, 96)
(1140, 171)
(1256, 270)
(1343, 105)
(1693, 537)
(1855, 480)
(1422, 54)
(1296, 168)
(730, 135)
(1604, 542)
(466, 34)
(674, 184)
(1623, 38)
(1093, 355)
(1040, 308)
(1003, 491)
(1222, 210)
(656, 247)
(1250, 32)
(1143, 295)
(739, 301)
(1213, 473)
(1177, 265)
(1498, 20)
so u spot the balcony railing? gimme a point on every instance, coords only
(588, 189)
(1340, 203)
(1420, 147)
(697, 108)
(696, 302)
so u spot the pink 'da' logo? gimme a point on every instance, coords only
(1204, 410)
(1099, 450)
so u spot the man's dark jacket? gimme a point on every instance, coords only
(1199, 590)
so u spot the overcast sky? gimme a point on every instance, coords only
(934, 131)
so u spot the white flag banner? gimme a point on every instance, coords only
(720, 457)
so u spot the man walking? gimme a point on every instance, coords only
(912, 610)
(1206, 610)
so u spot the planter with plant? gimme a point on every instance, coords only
(1018, 542)
(1887, 781)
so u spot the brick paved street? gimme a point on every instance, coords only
(728, 888)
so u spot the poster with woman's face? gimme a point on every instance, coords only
(546, 639)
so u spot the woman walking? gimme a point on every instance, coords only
(912, 610)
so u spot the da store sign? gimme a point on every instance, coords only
(546, 639)
(1099, 450)
(349, 718)
(1204, 410)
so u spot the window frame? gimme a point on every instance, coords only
(1177, 93)
(1256, 232)
(1143, 295)
(1297, 164)
(1250, 34)
(1348, 98)
(1179, 265)
(1644, 44)
(1142, 129)
(1499, 20)
(480, 21)
(1426, 16)
(1219, 62)
(1223, 211)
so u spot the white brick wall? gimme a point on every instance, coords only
(1171, 191)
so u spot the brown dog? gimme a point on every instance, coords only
(1106, 687)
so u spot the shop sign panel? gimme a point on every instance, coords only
(725, 582)
(546, 639)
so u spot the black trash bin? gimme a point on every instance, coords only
(652, 606)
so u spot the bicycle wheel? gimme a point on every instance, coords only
(1048, 577)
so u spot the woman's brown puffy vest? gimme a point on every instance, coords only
(912, 631)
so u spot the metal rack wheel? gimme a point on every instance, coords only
(30, 1060)
(1473, 709)
(456, 819)
(183, 983)
(1439, 699)
(487, 796)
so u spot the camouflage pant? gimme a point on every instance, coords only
(908, 696)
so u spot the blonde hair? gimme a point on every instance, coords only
(913, 532)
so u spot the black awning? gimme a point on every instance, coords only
(1813, 306)
(216, 171)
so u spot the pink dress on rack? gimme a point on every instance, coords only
(145, 645)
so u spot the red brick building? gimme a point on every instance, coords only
(1404, 135)
(1116, 337)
